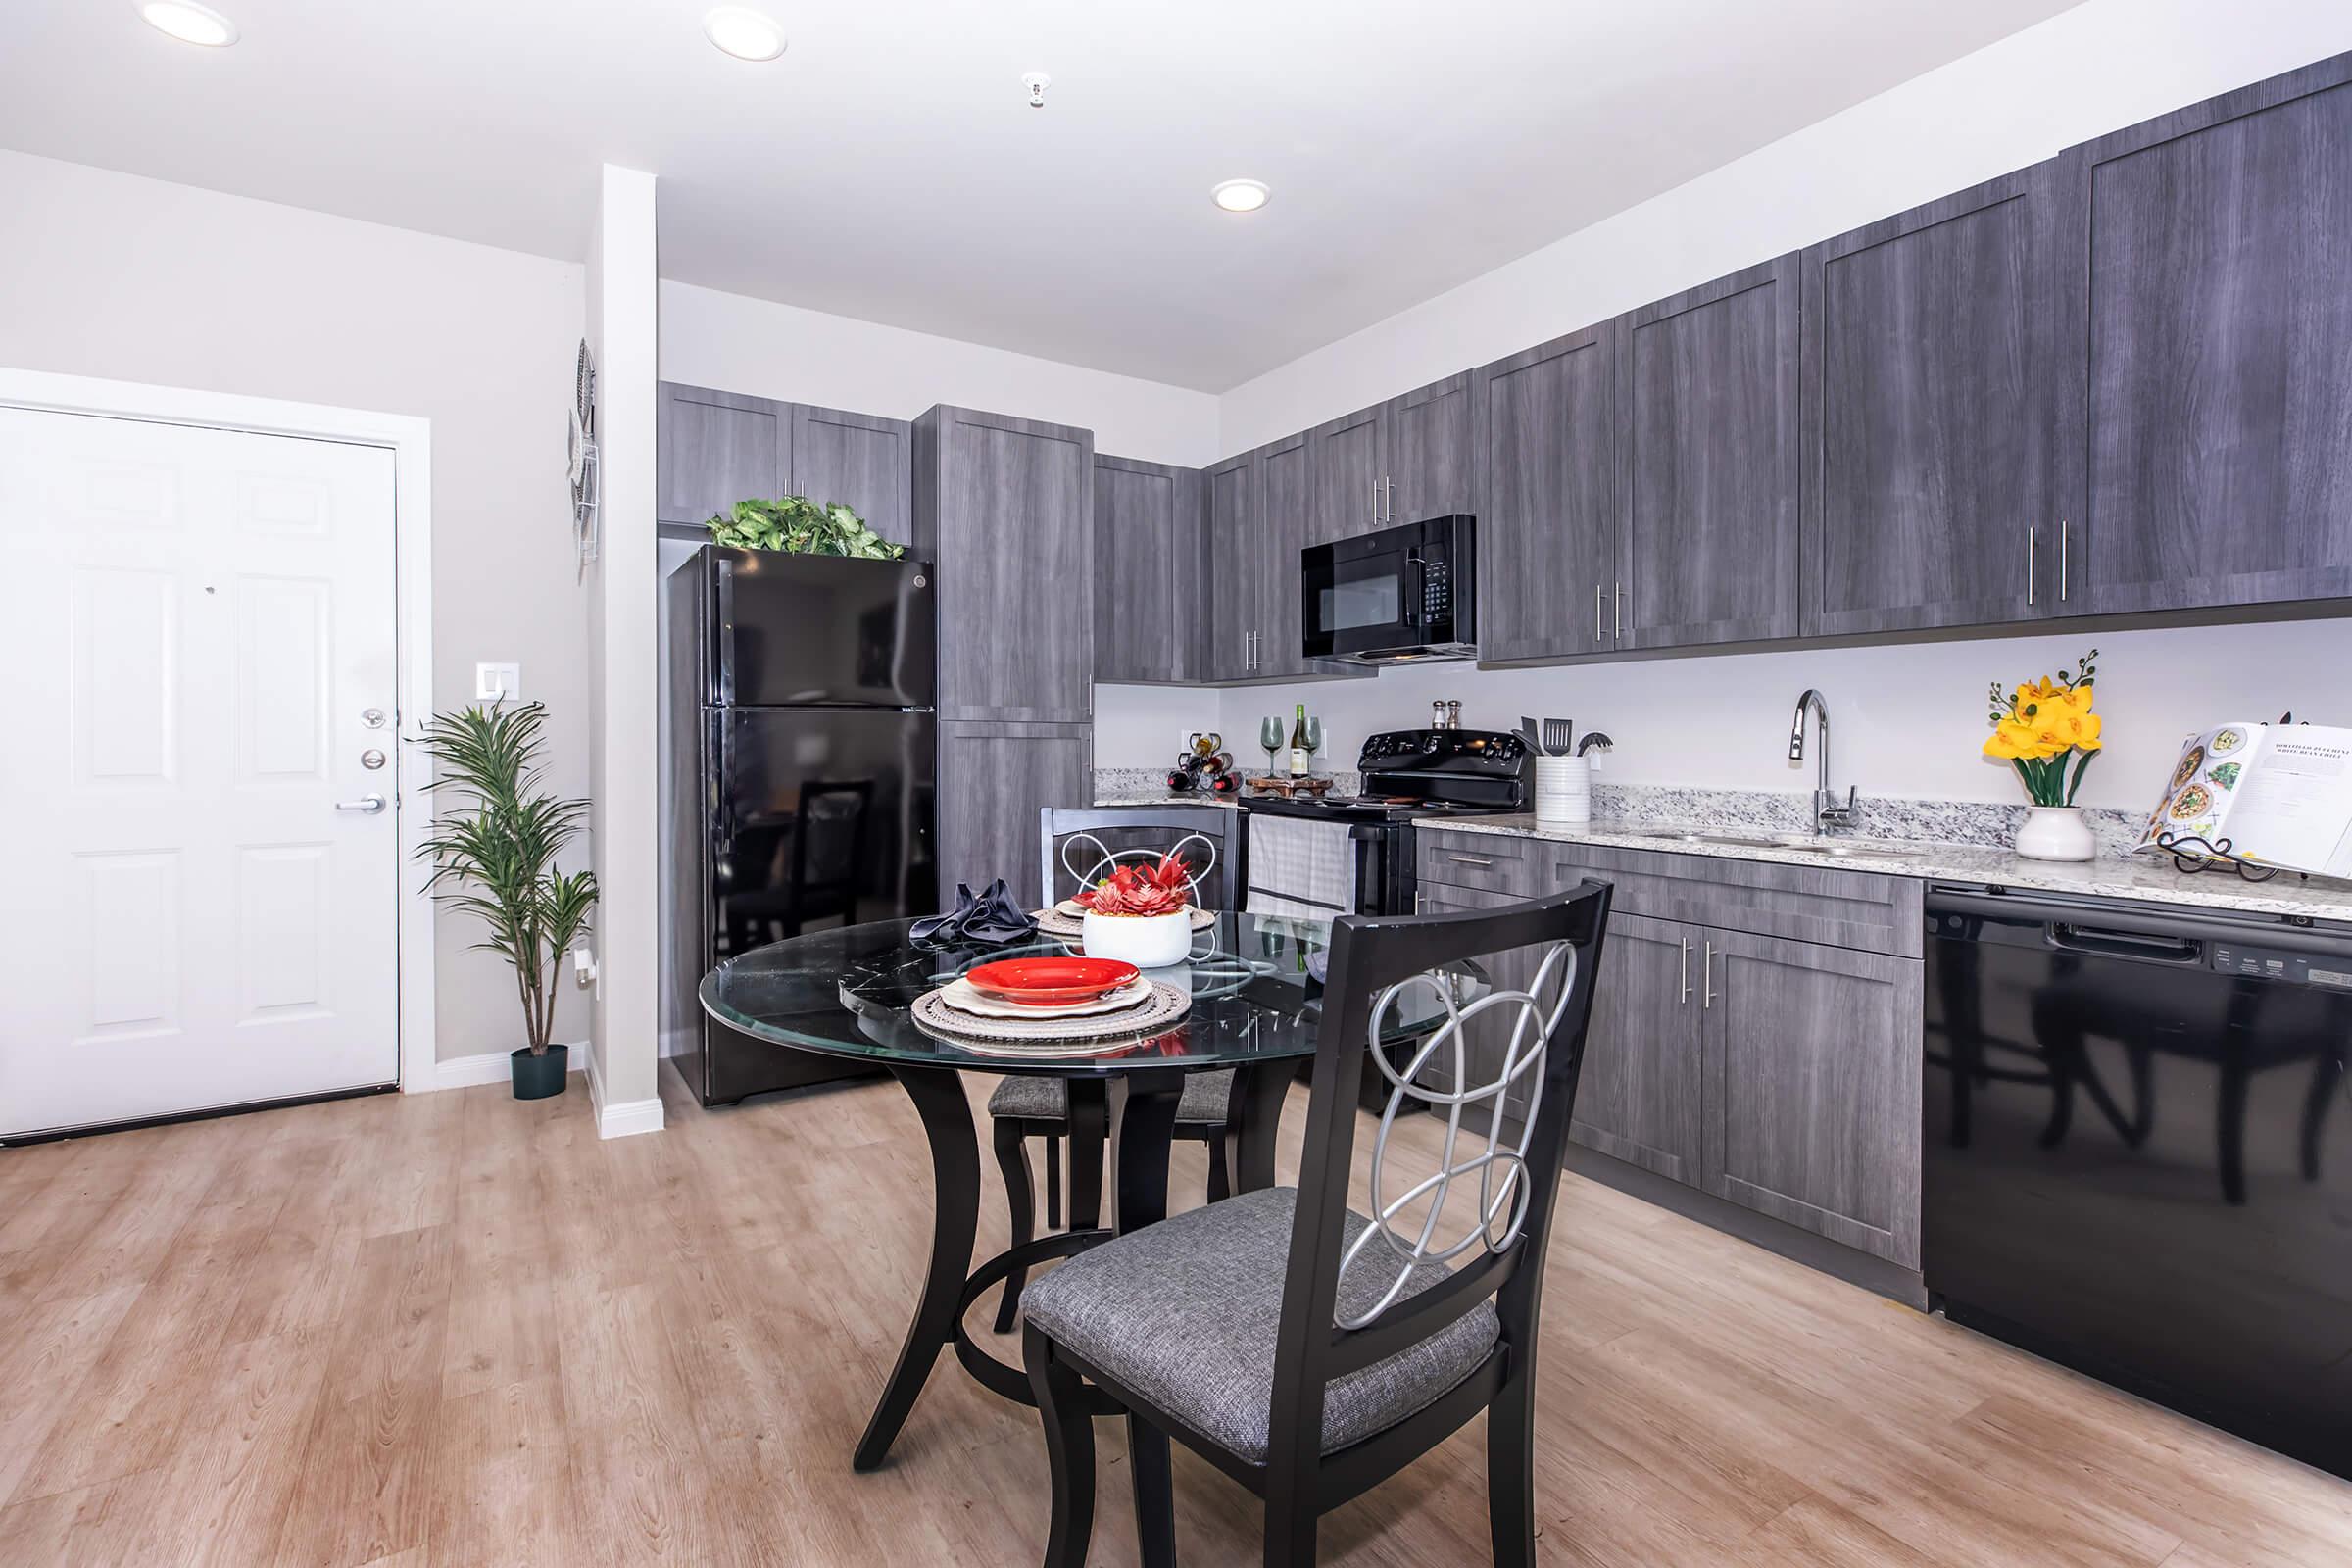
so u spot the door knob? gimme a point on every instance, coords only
(368, 804)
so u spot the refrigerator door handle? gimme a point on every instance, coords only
(722, 645)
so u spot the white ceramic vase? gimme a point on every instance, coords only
(2056, 833)
(1147, 940)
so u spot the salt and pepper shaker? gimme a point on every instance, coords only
(1454, 713)
(1437, 712)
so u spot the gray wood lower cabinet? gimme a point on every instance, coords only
(1640, 1096)
(1778, 1075)
(994, 777)
(1812, 1060)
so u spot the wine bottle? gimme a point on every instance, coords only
(1302, 756)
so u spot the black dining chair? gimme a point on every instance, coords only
(1309, 1351)
(1078, 846)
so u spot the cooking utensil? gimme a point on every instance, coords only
(1559, 736)
(1527, 727)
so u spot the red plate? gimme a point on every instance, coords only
(1050, 982)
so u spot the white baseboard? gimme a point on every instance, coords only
(626, 1118)
(491, 1067)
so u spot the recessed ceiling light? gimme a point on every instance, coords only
(745, 34)
(1241, 195)
(189, 21)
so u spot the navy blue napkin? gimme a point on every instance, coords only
(992, 919)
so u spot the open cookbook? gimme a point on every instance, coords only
(2274, 794)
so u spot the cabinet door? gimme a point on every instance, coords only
(714, 449)
(1344, 498)
(993, 778)
(1813, 1086)
(1637, 1096)
(1487, 1041)
(1148, 587)
(1715, 472)
(1429, 462)
(1554, 525)
(1014, 527)
(1944, 416)
(2220, 326)
(1285, 498)
(1237, 585)
(863, 461)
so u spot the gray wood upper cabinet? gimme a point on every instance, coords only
(1007, 509)
(1286, 499)
(994, 777)
(1812, 1062)
(714, 449)
(1429, 465)
(1150, 572)
(861, 461)
(1715, 471)
(2219, 321)
(1236, 582)
(1343, 496)
(1554, 518)
(1640, 1096)
(1943, 429)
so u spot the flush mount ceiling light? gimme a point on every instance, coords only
(1241, 195)
(188, 21)
(743, 32)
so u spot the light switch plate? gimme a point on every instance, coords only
(494, 681)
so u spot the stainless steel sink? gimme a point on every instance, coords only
(1805, 844)
(1690, 836)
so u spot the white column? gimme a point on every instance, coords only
(624, 742)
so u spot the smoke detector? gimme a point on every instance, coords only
(1035, 83)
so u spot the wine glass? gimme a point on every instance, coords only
(1270, 736)
(1315, 740)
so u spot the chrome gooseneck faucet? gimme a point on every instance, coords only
(1826, 812)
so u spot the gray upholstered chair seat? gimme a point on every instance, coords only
(1184, 1313)
(1206, 1094)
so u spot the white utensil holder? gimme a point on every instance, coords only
(1563, 789)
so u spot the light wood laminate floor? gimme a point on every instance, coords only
(451, 1329)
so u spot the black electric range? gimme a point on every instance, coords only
(1409, 776)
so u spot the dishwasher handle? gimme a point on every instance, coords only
(2111, 944)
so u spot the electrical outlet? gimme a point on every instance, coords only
(492, 682)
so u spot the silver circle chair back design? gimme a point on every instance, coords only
(1500, 1168)
(1106, 859)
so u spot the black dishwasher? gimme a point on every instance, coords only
(2138, 1150)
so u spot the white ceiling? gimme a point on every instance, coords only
(888, 166)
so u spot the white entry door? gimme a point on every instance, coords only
(195, 910)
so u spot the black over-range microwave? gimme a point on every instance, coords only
(1394, 595)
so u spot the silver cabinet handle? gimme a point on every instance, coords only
(1621, 609)
(2032, 551)
(1682, 980)
(1706, 973)
(368, 804)
(2063, 542)
(1388, 498)
(1376, 500)
(1599, 598)
(1468, 860)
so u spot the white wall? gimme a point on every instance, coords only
(1910, 716)
(107, 274)
(737, 344)
(619, 610)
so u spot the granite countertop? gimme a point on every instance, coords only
(2149, 878)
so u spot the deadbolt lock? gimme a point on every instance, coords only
(372, 758)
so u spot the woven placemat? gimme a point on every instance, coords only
(1054, 923)
(1050, 1037)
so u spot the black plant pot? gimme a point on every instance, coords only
(538, 1077)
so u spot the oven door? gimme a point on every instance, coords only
(1362, 595)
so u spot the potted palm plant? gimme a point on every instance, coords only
(495, 857)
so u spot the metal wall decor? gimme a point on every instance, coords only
(581, 461)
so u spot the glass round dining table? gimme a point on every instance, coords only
(1255, 989)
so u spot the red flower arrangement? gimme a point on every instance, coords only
(1140, 890)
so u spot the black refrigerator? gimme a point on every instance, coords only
(803, 752)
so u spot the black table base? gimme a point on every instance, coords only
(1138, 1109)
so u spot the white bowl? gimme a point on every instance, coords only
(1147, 940)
